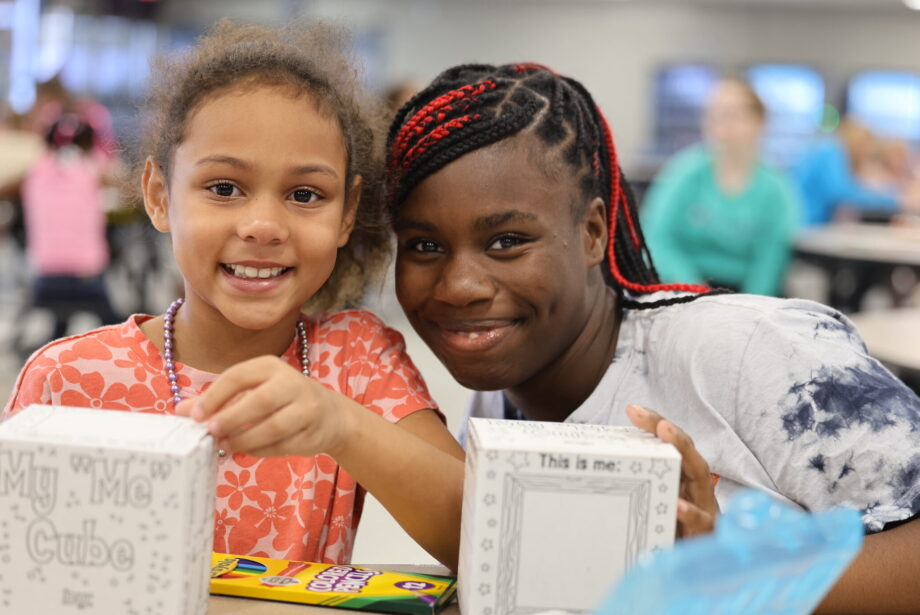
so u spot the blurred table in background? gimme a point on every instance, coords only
(893, 337)
(859, 256)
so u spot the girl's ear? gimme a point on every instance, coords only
(156, 195)
(594, 231)
(351, 211)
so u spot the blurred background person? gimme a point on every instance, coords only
(65, 224)
(716, 212)
(829, 176)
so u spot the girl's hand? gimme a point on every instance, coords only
(266, 408)
(696, 506)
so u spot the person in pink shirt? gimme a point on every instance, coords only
(259, 160)
(65, 224)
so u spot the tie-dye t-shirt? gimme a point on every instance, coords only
(298, 508)
(777, 394)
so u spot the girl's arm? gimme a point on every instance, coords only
(883, 577)
(266, 408)
(845, 187)
(415, 468)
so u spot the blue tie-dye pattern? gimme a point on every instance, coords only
(852, 395)
(777, 394)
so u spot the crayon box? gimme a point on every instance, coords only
(332, 585)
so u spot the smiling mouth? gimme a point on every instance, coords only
(254, 273)
(476, 337)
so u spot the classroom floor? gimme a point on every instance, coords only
(380, 540)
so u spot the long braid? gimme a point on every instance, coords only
(472, 106)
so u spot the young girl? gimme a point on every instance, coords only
(522, 265)
(65, 224)
(258, 160)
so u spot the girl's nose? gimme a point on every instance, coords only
(263, 221)
(463, 282)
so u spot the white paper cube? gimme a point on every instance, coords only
(554, 513)
(105, 512)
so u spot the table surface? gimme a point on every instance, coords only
(228, 605)
(892, 336)
(891, 244)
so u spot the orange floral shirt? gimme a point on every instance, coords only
(298, 508)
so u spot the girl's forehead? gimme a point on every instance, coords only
(266, 120)
(496, 182)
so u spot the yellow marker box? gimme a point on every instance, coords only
(334, 585)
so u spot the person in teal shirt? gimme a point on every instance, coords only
(716, 213)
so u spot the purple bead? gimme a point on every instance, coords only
(172, 377)
(169, 364)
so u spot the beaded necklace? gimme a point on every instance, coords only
(169, 345)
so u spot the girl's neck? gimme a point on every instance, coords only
(560, 388)
(207, 341)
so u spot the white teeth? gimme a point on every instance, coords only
(470, 334)
(242, 271)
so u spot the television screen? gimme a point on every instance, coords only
(794, 97)
(681, 92)
(887, 102)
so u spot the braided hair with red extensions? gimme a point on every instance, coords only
(475, 105)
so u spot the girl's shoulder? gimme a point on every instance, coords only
(347, 327)
(94, 344)
(729, 324)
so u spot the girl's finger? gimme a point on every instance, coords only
(251, 408)
(693, 465)
(643, 418)
(268, 434)
(692, 520)
(233, 381)
(184, 407)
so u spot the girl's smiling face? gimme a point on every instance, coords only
(256, 204)
(492, 265)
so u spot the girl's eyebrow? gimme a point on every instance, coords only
(306, 169)
(404, 224)
(497, 219)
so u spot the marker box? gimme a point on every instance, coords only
(105, 512)
(554, 513)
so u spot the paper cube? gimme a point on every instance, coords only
(105, 512)
(554, 513)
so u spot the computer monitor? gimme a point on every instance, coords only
(794, 97)
(681, 92)
(887, 102)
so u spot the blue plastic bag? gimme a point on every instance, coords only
(763, 558)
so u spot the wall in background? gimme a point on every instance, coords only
(613, 47)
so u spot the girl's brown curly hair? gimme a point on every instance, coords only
(310, 59)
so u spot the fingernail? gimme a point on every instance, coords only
(214, 428)
(682, 506)
(638, 410)
(197, 412)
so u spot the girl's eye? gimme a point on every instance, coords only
(224, 189)
(423, 246)
(304, 195)
(506, 242)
